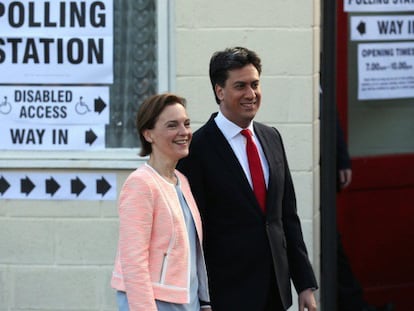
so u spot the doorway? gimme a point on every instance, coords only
(375, 215)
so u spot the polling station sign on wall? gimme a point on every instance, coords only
(382, 27)
(54, 104)
(385, 70)
(58, 186)
(53, 117)
(56, 42)
(385, 55)
(47, 50)
(378, 5)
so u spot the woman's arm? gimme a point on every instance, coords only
(135, 216)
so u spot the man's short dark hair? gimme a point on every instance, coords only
(231, 58)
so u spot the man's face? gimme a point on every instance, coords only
(241, 95)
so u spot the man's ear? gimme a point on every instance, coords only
(219, 92)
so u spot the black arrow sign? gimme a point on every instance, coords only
(361, 28)
(4, 185)
(26, 186)
(99, 105)
(77, 186)
(102, 186)
(51, 186)
(90, 137)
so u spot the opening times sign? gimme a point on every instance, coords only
(385, 70)
(56, 42)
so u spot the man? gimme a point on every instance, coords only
(252, 250)
(350, 292)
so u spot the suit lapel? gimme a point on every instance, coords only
(270, 149)
(229, 161)
(227, 158)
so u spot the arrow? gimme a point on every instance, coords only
(361, 28)
(26, 186)
(4, 185)
(102, 186)
(77, 186)
(90, 137)
(99, 105)
(51, 186)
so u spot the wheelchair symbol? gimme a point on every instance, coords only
(81, 107)
(5, 106)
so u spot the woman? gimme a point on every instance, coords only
(160, 263)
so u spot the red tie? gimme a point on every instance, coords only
(256, 171)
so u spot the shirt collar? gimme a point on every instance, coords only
(228, 128)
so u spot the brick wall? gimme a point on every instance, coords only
(57, 255)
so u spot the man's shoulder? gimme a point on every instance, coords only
(203, 131)
(200, 141)
(266, 129)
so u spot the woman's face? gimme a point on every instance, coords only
(171, 135)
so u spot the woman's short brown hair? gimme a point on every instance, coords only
(148, 113)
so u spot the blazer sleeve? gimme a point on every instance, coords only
(301, 269)
(135, 217)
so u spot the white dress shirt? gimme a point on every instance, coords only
(237, 142)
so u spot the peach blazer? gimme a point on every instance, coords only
(152, 259)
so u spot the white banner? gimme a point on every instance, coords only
(390, 27)
(57, 186)
(24, 136)
(385, 70)
(55, 104)
(56, 42)
(378, 5)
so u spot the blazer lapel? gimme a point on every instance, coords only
(270, 148)
(229, 161)
(222, 148)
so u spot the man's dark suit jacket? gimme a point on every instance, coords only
(244, 249)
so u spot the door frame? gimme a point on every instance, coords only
(328, 112)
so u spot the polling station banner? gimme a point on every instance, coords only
(56, 42)
(378, 5)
